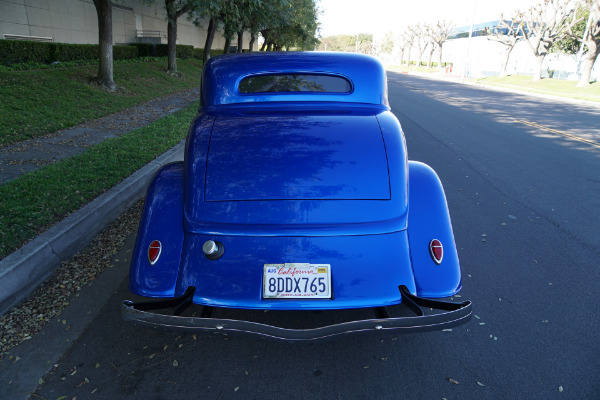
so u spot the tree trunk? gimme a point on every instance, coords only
(502, 73)
(105, 48)
(408, 59)
(537, 72)
(264, 46)
(420, 58)
(210, 35)
(172, 46)
(430, 57)
(588, 63)
(172, 15)
(440, 58)
(269, 46)
(252, 40)
(227, 45)
(240, 44)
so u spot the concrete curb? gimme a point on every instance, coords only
(22, 271)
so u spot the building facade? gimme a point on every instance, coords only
(76, 21)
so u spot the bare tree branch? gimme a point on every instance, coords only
(543, 24)
(508, 34)
(590, 38)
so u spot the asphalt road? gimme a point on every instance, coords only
(522, 178)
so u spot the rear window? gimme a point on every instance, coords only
(295, 83)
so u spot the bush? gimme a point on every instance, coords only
(185, 51)
(26, 52)
(21, 51)
(72, 52)
(145, 49)
(125, 52)
(181, 50)
(198, 53)
(216, 52)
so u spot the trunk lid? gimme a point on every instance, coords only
(297, 157)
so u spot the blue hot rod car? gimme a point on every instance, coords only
(295, 195)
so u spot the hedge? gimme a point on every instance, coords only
(182, 50)
(22, 51)
(145, 49)
(125, 52)
(199, 52)
(17, 51)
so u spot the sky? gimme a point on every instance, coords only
(381, 16)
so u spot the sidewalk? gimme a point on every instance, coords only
(22, 271)
(23, 157)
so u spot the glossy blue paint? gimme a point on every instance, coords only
(428, 219)
(336, 191)
(162, 219)
(296, 177)
(221, 77)
(366, 270)
(297, 157)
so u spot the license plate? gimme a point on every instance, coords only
(297, 281)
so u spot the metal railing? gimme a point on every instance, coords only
(24, 37)
(144, 33)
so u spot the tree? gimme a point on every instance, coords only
(420, 36)
(363, 43)
(508, 34)
(431, 43)
(175, 9)
(402, 43)
(584, 27)
(438, 35)
(387, 44)
(338, 43)
(409, 38)
(543, 24)
(105, 45)
(235, 17)
(293, 24)
(207, 9)
(210, 35)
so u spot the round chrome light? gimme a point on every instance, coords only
(210, 247)
(213, 250)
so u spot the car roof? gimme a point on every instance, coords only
(223, 74)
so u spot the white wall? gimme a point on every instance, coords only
(76, 21)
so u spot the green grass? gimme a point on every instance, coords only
(37, 200)
(555, 87)
(35, 103)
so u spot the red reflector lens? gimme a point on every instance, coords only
(436, 250)
(154, 251)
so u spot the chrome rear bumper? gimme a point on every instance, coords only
(453, 314)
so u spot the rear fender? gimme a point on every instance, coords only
(428, 219)
(162, 220)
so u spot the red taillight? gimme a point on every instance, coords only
(154, 251)
(436, 250)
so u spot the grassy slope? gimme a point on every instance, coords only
(37, 200)
(555, 87)
(35, 103)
